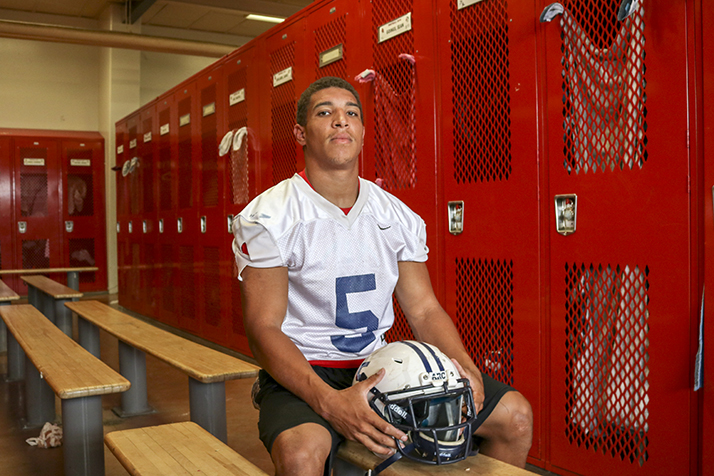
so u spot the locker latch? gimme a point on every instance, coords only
(22, 226)
(456, 217)
(161, 225)
(131, 227)
(566, 213)
(179, 225)
(69, 226)
(229, 219)
(144, 226)
(203, 224)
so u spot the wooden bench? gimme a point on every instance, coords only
(57, 365)
(7, 295)
(177, 448)
(353, 459)
(207, 369)
(49, 297)
(72, 273)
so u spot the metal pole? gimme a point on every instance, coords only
(15, 359)
(89, 337)
(132, 365)
(207, 403)
(83, 436)
(40, 399)
(63, 316)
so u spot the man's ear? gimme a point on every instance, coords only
(299, 132)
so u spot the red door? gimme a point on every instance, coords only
(617, 165)
(488, 208)
(7, 239)
(37, 211)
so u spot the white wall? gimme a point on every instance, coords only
(162, 71)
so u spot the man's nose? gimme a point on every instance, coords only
(340, 119)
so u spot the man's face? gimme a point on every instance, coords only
(334, 133)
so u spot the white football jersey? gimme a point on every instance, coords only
(342, 269)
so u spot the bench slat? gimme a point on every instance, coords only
(200, 362)
(53, 288)
(479, 465)
(6, 293)
(176, 448)
(69, 370)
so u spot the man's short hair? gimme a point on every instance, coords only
(320, 84)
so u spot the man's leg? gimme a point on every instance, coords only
(302, 450)
(508, 431)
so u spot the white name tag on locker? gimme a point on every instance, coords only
(396, 27)
(120, 149)
(466, 3)
(185, 119)
(236, 97)
(147, 137)
(209, 109)
(34, 162)
(331, 55)
(132, 144)
(80, 162)
(164, 129)
(283, 77)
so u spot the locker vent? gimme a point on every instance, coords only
(239, 160)
(188, 283)
(484, 314)
(147, 168)
(81, 254)
(80, 195)
(165, 180)
(211, 286)
(283, 108)
(394, 100)
(35, 254)
(481, 92)
(327, 36)
(400, 330)
(606, 388)
(209, 150)
(33, 184)
(185, 158)
(604, 98)
(167, 273)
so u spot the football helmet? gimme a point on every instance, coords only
(423, 395)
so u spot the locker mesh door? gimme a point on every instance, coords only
(283, 108)
(33, 184)
(607, 325)
(604, 97)
(185, 156)
(147, 166)
(239, 161)
(166, 200)
(394, 100)
(209, 150)
(481, 92)
(329, 36)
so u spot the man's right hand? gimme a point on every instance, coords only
(349, 413)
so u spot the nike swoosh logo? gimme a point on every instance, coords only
(385, 228)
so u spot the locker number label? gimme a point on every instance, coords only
(33, 162)
(396, 27)
(283, 77)
(164, 129)
(80, 162)
(147, 137)
(132, 144)
(466, 3)
(236, 97)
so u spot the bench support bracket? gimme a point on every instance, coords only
(39, 399)
(132, 365)
(15, 359)
(89, 337)
(208, 407)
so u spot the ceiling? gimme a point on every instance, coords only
(214, 21)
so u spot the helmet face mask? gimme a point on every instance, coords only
(423, 395)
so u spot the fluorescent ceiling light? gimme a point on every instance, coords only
(265, 18)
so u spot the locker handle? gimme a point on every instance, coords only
(22, 226)
(69, 226)
(566, 213)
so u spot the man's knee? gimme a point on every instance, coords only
(302, 450)
(520, 417)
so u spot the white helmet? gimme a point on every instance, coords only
(423, 395)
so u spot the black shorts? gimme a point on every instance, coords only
(280, 410)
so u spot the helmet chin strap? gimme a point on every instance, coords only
(387, 462)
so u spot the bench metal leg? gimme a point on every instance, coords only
(32, 296)
(83, 436)
(3, 330)
(39, 398)
(63, 316)
(343, 468)
(207, 403)
(15, 359)
(73, 280)
(89, 336)
(132, 365)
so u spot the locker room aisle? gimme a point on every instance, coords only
(168, 394)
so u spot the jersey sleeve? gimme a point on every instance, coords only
(254, 246)
(414, 248)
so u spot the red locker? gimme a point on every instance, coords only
(399, 149)
(212, 256)
(185, 129)
(488, 208)
(37, 212)
(282, 84)
(617, 205)
(84, 226)
(122, 210)
(132, 184)
(7, 240)
(146, 173)
(241, 101)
